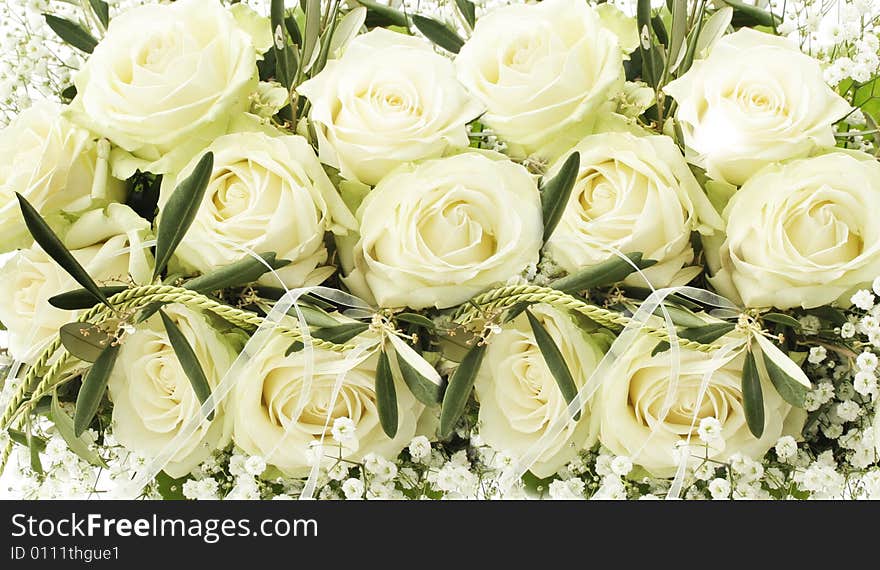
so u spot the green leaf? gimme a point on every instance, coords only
(459, 389)
(82, 298)
(555, 194)
(84, 340)
(180, 211)
(423, 389)
(554, 360)
(68, 93)
(314, 316)
(169, 488)
(52, 245)
(438, 33)
(643, 20)
(826, 313)
(236, 274)
(608, 272)
(285, 67)
(468, 11)
(64, 425)
(782, 360)
(313, 27)
(21, 438)
(386, 396)
(782, 319)
(679, 30)
(72, 33)
(416, 319)
(188, 360)
(293, 30)
(788, 388)
(381, 15)
(748, 15)
(102, 11)
(707, 334)
(337, 334)
(92, 390)
(753, 399)
(33, 446)
(680, 316)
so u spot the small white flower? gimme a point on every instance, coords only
(848, 411)
(338, 472)
(255, 465)
(865, 383)
(237, 465)
(621, 465)
(705, 471)
(344, 430)
(847, 330)
(720, 488)
(832, 431)
(867, 360)
(817, 354)
(568, 489)
(786, 448)
(353, 489)
(863, 299)
(603, 465)
(420, 448)
(709, 430)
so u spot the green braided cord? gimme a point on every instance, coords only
(507, 297)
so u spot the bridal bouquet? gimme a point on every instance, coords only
(454, 249)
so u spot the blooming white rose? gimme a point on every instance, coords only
(389, 99)
(439, 232)
(635, 194)
(53, 164)
(632, 397)
(519, 397)
(754, 100)
(164, 82)
(265, 193)
(97, 240)
(545, 71)
(802, 234)
(153, 398)
(266, 399)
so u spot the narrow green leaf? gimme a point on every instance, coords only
(680, 316)
(337, 334)
(515, 311)
(679, 30)
(659, 29)
(33, 446)
(169, 488)
(180, 211)
(53, 246)
(749, 15)
(608, 272)
(293, 30)
(102, 11)
(381, 15)
(643, 20)
(285, 69)
(438, 33)
(92, 390)
(459, 389)
(64, 425)
(84, 340)
(707, 334)
(782, 360)
(236, 274)
(312, 29)
(72, 33)
(782, 319)
(416, 319)
(21, 438)
(788, 388)
(188, 360)
(314, 316)
(468, 11)
(82, 298)
(753, 399)
(386, 396)
(554, 360)
(423, 389)
(555, 194)
(69, 92)
(826, 313)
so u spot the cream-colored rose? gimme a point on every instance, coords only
(519, 397)
(98, 240)
(802, 234)
(164, 82)
(266, 193)
(629, 407)
(436, 233)
(389, 99)
(545, 71)
(266, 400)
(152, 396)
(635, 194)
(53, 164)
(754, 100)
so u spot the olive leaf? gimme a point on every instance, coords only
(415, 360)
(337, 334)
(679, 30)
(610, 271)
(84, 340)
(72, 33)
(554, 360)
(439, 33)
(788, 388)
(773, 354)
(415, 319)
(92, 390)
(555, 194)
(102, 11)
(386, 396)
(643, 20)
(78, 299)
(180, 211)
(749, 15)
(310, 34)
(753, 398)
(188, 360)
(382, 15)
(459, 389)
(782, 319)
(704, 334)
(468, 11)
(285, 57)
(236, 274)
(77, 444)
(53, 246)
(424, 390)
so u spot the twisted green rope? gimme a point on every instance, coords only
(507, 297)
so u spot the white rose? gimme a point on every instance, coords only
(50, 162)
(754, 100)
(545, 71)
(519, 397)
(439, 232)
(266, 193)
(153, 398)
(802, 234)
(631, 399)
(97, 240)
(266, 399)
(165, 81)
(635, 194)
(389, 99)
